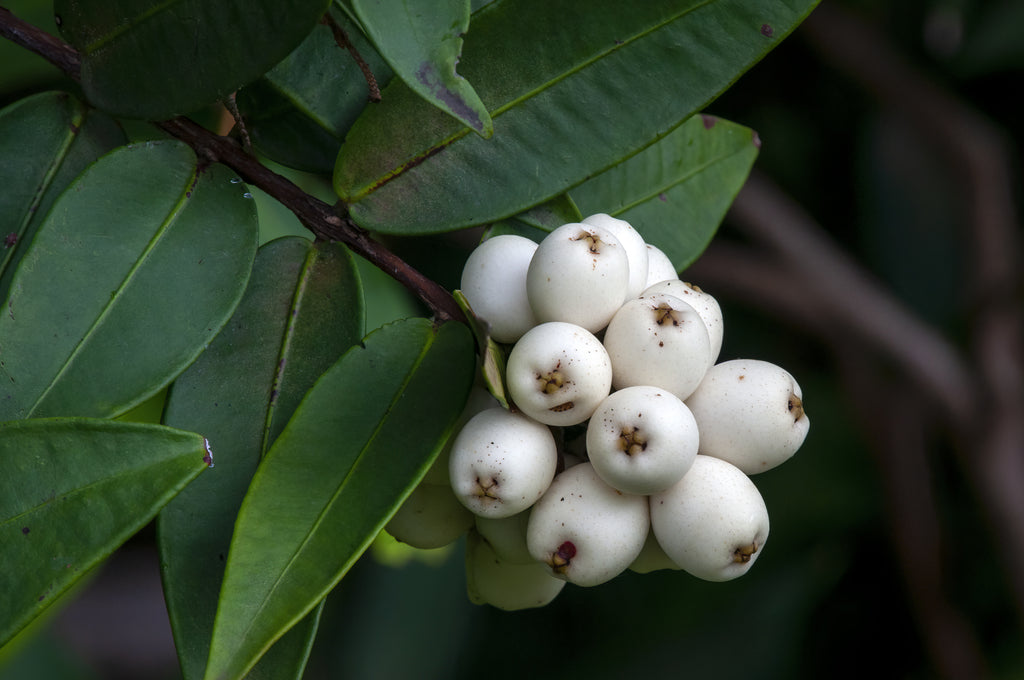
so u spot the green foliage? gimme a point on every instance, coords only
(126, 269)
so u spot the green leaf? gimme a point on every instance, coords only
(301, 312)
(142, 59)
(676, 191)
(71, 491)
(299, 112)
(572, 91)
(355, 448)
(53, 136)
(422, 42)
(134, 270)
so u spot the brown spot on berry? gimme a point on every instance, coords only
(743, 553)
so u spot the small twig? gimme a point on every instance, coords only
(54, 50)
(341, 37)
(231, 104)
(319, 217)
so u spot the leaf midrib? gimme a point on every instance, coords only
(374, 184)
(341, 487)
(179, 206)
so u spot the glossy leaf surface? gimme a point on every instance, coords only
(299, 112)
(302, 310)
(357, 445)
(572, 92)
(134, 270)
(71, 491)
(53, 136)
(149, 60)
(422, 43)
(676, 191)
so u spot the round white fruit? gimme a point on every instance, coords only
(585, 531)
(642, 439)
(749, 413)
(579, 274)
(494, 283)
(652, 558)
(491, 580)
(501, 463)
(705, 305)
(658, 340)
(558, 373)
(479, 400)
(713, 523)
(659, 267)
(633, 243)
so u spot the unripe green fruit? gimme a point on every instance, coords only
(642, 439)
(658, 340)
(585, 531)
(749, 413)
(501, 463)
(491, 580)
(579, 275)
(494, 283)
(633, 243)
(431, 517)
(652, 558)
(558, 373)
(713, 523)
(507, 537)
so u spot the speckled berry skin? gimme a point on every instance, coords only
(586, 531)
(713, 523)
(703, 303)
(633, 243)
(579, 274)
(750, 413)
(501, 463)
(642, 439)
(494, 283)
(558, 373)
(658, 340)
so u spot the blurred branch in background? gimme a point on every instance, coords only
(975, 396)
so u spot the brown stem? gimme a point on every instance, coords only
(341, 38)
(320, 218)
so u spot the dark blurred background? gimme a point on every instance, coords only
(874, 254)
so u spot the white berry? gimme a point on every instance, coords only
(659, 267)
(705, 305)
(749, 413)
(579, 274)
(501, 462)
(558, 373)
(507, 536)
(633, 243)
(713, 523)
(642, 439)
(658, 340)
(494, 283)
(585, 531)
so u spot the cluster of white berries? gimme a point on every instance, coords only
(627, 446)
